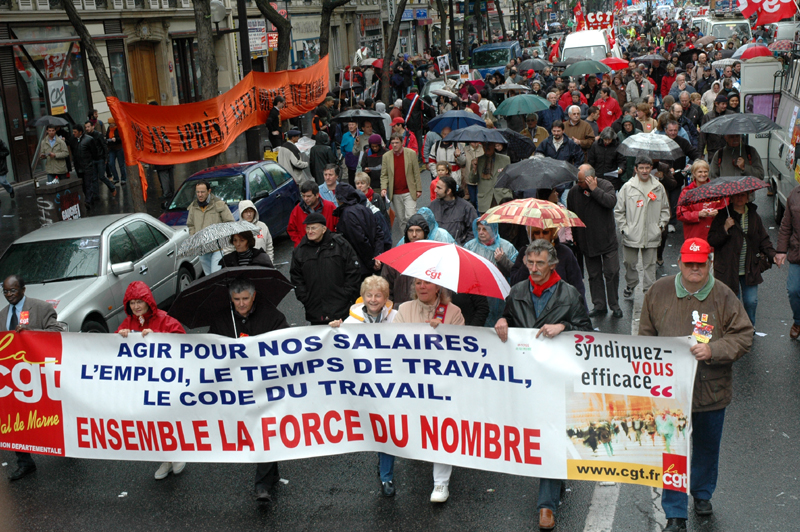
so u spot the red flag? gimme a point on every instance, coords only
(769, 11)
(553, 57)
(580, 22)
(537, 24)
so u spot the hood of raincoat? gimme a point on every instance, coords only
(322, 138)
(419, 221)
(347, 195)
(139, 290)
(632, 121)
(495, 231)
(247, 204)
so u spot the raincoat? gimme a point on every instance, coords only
(264, 238)
(487, 252)
(435, 232)
(154, 319)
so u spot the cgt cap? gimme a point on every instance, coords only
(695, 250)
(314, 218)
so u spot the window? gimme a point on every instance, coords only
(258, 182)
(278, 174)
(119, 71)
(187, 69)
(144, 238)
(53, 260)
(158, 235)
(121, 247)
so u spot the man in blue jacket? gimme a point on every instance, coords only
(559, 147)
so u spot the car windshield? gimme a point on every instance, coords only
(491, 58)
(589, 52)
(723, 31)
(230, 189)
(53, 260)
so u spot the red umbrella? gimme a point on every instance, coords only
(477, 83)
(756, 51)
(378, 63)
(615, 63)
(447, 265)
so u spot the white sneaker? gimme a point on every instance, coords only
(671, 228)
(440, 493)
(164, 470)
(177, 467)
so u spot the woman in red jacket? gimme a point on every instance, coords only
(668, 79)
(143, 315)
(697, 217)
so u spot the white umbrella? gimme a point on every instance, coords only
(214, 238)
(511, 87)
(446, 94)
(722, 63)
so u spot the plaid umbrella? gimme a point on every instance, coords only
(659, 147)
(784, 45)
(214, 238)
(534, 213)
(519, 146)
(455, 120)
(521, 104)
(739, 124)
(721, 187)
(533, 174)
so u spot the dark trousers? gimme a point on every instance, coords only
(674, 195)
(167, 178)
(706, 437)
(267, 475)
(24, 459)
(100, 175)
(603, 273)
(87, 177)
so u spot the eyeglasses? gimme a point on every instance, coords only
(11, 291)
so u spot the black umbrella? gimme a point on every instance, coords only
(739, 124)
(533, 174)
(649, 58)
(50, 120)
(686, 55)
(533, 64)
(358, 115)
(476, 134)
(519, 146)
(727, 52)
(194, 307)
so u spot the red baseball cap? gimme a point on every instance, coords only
(695, 250)
(398, 120)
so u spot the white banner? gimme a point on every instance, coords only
(582, 405)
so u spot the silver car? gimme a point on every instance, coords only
(83, 267)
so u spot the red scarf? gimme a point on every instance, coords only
(370, 192)
(538, 289)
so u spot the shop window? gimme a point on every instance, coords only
(119, 70)
(33, 100)
(187, 69)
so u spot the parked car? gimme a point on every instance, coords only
(264, 183)
(83, 267)
(491, 58)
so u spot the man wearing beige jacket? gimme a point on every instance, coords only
(54, 151)
(642, 212)
(400, 181)
(207, 209)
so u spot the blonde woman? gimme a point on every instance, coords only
(643, 116)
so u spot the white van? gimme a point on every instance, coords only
(724, 27)
(591, 44)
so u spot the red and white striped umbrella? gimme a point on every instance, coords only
(447, 265)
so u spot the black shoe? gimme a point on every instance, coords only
(387, 488)
(675, 525)
(617, 313)
(262, 495)
(702, 507)
(597, 312)
(22, 471)
(11, 193)
(627, 293)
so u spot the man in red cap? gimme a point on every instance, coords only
(409, 139)
(692, 303)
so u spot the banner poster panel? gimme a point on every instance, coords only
(585, 406)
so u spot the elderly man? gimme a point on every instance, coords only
(325, 272)
(709, 141)
(566, 98)
(576, 101)
(400, 180)
(244, 316)
(290, 159)
(690, 110)
(735, 159)
(557, 146)
(487, 168)
(25, 313)
(688, 128)
(685, 304)
(534, 131)
(207, 209)
(579, 130)
(639, 88)
(593, 199)
(545, 302)
(311, 202)
(552, 113)
(642, 213)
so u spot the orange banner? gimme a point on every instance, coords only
(178, 134)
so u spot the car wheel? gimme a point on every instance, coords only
(93, 327)
(777, 208)
(185, 278)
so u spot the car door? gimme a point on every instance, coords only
(286, 195)
(120, 249)
(157, 258)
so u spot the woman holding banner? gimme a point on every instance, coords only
(374, 307)
(144, 316)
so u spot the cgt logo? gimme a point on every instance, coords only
(579, 338)
(433, 274)
(674, 476)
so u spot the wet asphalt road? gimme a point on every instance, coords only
(758, 488)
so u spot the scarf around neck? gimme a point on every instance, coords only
(538, 289)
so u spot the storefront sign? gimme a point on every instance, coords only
(272, 40)
(454, 395)
(421, 14)
(190, 132)
(257, 30)
(57, 96)
(408, 14)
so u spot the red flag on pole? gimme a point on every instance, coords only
(538, 27)
(580, 22)
(769, 11)
(553, 57)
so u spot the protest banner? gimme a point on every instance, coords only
(599, 20)
(585, 406)
(176, 134)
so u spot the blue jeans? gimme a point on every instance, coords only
(473, 195)
(387, 467)
(100, 175)
(5, 184)
(749, 296)
(793, 287)
(549, 493)
(210, 262)
(117, 158)
(706, 436)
